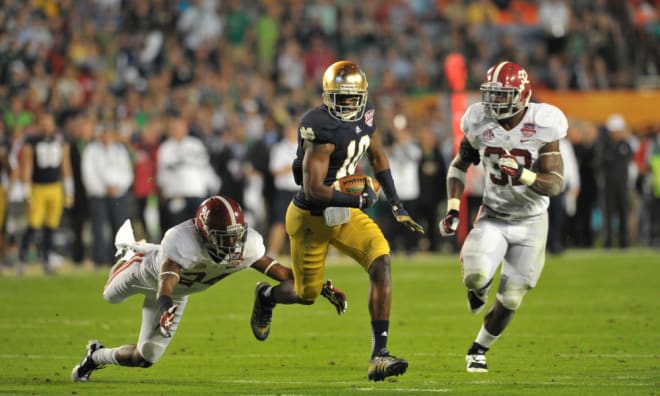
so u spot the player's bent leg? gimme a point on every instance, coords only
(481, 254)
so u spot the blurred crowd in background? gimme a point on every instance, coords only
(197, 95)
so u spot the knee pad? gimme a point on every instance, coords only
(111, 297)
(511, 296)
(150, 352)
(475, 281)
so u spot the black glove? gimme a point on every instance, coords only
(368, 197)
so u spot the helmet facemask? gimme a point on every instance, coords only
(226, 245)
(345, 105)
(500, 102)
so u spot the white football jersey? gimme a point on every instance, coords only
(541, 124)
(183, 245)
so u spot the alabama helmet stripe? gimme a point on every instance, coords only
(230, 210)
(496, 73)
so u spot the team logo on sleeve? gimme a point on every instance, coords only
(487, 135)
(369, 118)
(307, 133)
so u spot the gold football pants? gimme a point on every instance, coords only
(359, 238)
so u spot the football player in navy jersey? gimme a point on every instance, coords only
(332, 138)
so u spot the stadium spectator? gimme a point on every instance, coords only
(282, 155)
(48, 185)
(146, 164)
(563, 205)
(107, 173)
(192, 256)
(332, 139)
(405, 156)
(432, 172)
(613, 157)
(83, 134)
(512, 227)
(184, 174)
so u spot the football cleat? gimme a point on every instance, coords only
(476, 363)
(262, 314)
(82, 371)
(385, 365)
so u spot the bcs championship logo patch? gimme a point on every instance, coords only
(528, 129)
(487, 135)
(369, 118)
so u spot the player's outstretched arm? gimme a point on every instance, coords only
(272, 268)
(169, 276)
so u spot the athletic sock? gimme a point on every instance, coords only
(379, 330)
(105, 356)
(485, 339)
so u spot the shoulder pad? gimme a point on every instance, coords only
(317, 126)
(552, 119)
(473, 115)
(254, 246)
(181, 246)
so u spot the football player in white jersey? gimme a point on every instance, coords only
(192, 256)
(517, 143)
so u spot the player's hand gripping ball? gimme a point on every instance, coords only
(355, 184)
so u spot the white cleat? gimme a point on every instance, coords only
(476, 363)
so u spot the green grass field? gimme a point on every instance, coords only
(591, 327)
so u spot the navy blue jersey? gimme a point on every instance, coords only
(46, 158)
(351, 140)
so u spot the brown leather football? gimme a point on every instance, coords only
(354, 184)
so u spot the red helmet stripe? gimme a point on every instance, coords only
(230, 210)
(496, 73)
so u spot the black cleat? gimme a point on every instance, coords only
(82, 371)
(262, 314)
(385, 365)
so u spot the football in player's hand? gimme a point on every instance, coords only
(354, 184)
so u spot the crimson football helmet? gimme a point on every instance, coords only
(506, 91)
(221, 223)
(345, 91)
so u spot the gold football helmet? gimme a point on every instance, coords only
(345, 91)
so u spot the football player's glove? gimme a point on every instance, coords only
(449, 224)
(166, 321)
(509, 165)
(335, 296)
(368, 196)
(168, 309)
(401, 215)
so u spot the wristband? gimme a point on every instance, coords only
(453, 204)
(345, 200)
(387, 183)
(164, 303)
(527, 177)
